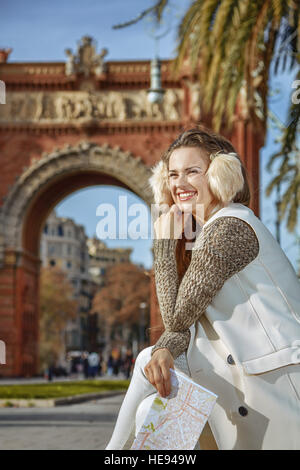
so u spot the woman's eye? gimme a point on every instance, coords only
(189, 172)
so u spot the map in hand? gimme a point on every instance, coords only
(176, 422)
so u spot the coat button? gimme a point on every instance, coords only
(243, 411)
(230, 360)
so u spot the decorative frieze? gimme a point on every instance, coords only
(85, 106)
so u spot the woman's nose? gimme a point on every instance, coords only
(181, 177)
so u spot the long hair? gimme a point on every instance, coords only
(227, 177)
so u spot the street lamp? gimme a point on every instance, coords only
(157, 31)
(155, 92)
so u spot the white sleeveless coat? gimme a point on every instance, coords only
(246, 348)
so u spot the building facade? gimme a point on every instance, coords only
(101, 257)
(65, 244)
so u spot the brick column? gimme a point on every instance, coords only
(19, 314)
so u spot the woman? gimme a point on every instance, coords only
(230, 305)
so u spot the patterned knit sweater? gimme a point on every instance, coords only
(223, 248)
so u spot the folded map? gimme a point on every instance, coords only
(176, 422)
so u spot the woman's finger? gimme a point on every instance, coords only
(149, 375)
(159, 381)
(167, 378)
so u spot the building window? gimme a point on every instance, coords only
(46, 229)
(51, 249)
(69, 264)
(52, 262)
(60, 231)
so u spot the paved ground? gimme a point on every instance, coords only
(87, 426)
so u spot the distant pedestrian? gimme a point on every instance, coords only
(110, 365)
(85, 363)
(128, 363)
(100, 371)
(50, 372)
(93, 361)
(117, 365)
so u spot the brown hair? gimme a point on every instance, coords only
(210, 142)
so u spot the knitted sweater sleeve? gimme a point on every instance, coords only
(223, 248)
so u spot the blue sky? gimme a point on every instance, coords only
(40, 30)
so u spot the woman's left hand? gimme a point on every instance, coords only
(158, 371)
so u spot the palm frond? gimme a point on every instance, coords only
(159, 9)
(156, 10)
(288, 196)
(293, 210)
(191, 38)
(279, 178)
(272, 159)
(227, 15)
(279, 8)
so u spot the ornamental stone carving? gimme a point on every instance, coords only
(86, 105)
(195, 101)
(86, 61)
(86, 156)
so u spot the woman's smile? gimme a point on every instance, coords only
(186, 196)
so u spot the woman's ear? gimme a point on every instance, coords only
(159, 184)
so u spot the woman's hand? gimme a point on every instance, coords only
(158, 371)
(170, 225)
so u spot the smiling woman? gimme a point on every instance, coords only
(230, 305)
(214, 182)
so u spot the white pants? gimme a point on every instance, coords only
(138, 400)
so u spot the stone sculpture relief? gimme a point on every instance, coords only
(89, 105)
(195, 102)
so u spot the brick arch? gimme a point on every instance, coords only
(26, 207)
(58, 174)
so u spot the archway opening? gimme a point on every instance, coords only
(108, 320)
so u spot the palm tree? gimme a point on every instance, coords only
(289, 170)
(230, 45)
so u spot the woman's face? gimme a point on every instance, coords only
(188, 180)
